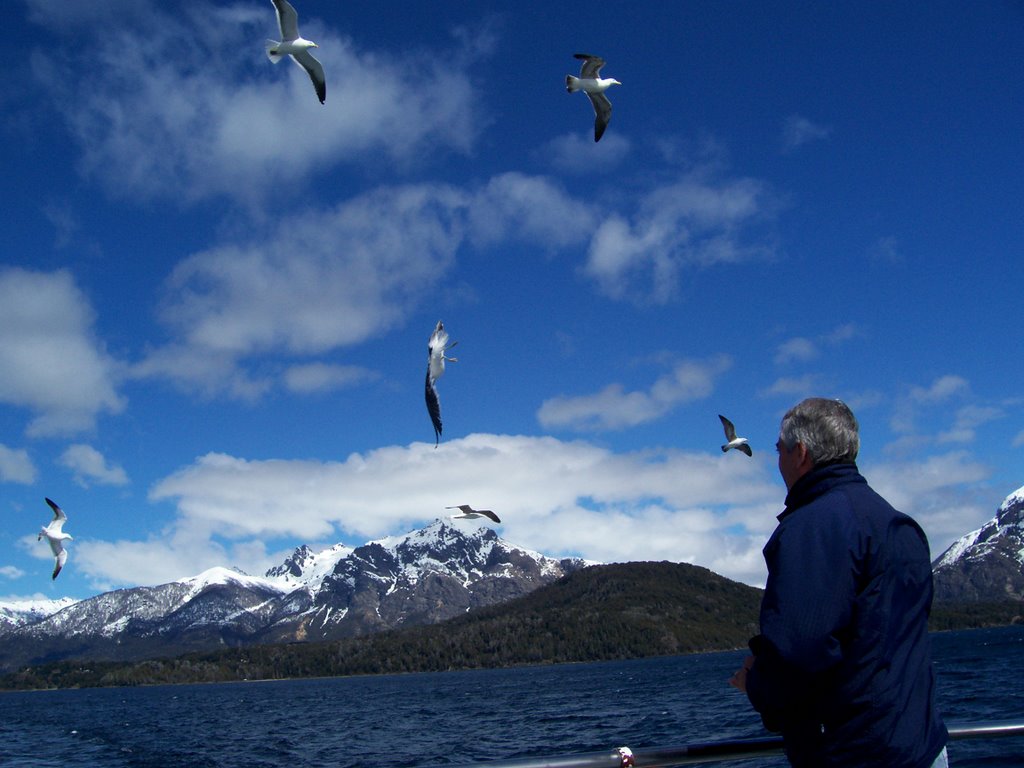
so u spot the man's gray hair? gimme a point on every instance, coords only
(826, 428)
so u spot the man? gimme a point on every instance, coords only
(842, 666)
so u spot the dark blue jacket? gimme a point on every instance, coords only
(843, 662)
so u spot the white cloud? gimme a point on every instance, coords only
(797, 349)
(696, 222)
(203, 370)
(11, 572)
(321, 377)
(179, 554)
(802, 349)
(50, 360)
(798, 130)
(802, 386)
(198, 85)
(318, 282)
(296, 291)
(513, 205)
(615, 408)
(941, 390)
(934, 491)
(918, 399)
(968, 419)
(16, 466)
(557, 497)
(841, 333)
(89, 465)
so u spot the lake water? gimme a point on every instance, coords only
(395, 721)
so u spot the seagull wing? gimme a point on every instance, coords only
(58, 513)
(591, 65)
(287, 19)
(59, 518)
(730, 430)
(315, 70)
(746, 449)
(433, 407)
(62, 557)
(602, 112)
(468, 511)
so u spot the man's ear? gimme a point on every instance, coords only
(804, 461)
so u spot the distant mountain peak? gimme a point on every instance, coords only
(307, 568)
(986, 564)
(421, 577)
(1011, 511)
(20, 612)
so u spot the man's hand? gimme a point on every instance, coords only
(739, 678)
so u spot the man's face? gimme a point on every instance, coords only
(791, 462)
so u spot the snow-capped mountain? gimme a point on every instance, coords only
(986, 564)
(17, 614)
(422, 577)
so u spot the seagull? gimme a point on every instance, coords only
(436, 348)
(468, 513)
(295, 46)
(739, 443)
(54, 534)
(591, 83)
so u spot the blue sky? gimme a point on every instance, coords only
(216, 293)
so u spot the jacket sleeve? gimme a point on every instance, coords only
(807, 605)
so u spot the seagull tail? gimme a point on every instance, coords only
(572, 84)
(271, 49)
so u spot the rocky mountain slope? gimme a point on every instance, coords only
(17, 614)
(423, 577)
(986, 565)
(619, 611)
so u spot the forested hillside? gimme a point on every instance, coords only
(602, 612)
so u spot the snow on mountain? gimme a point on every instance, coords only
(423, 576)
(18, 613)
(466, 554)
(986, 564)
(219, 577)
(305, 568)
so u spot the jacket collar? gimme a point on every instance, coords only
(818, 481)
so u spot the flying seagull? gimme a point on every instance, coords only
(295, 46)
(468, 513)
(739, 443)
(591, 83)
(54, 534)
(436, 348)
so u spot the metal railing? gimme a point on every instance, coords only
(711, 751)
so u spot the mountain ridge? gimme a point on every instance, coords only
(987, 564)
(421, 577)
